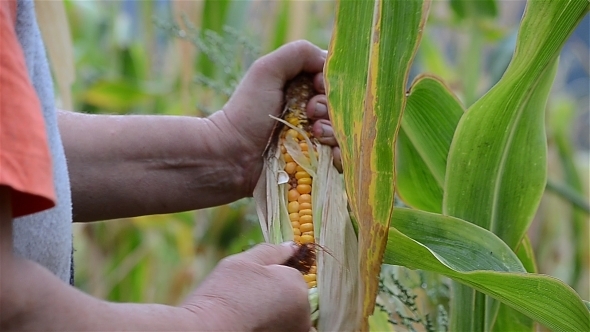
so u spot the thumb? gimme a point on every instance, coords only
(269, 254)
(295, 57)
(287, 61)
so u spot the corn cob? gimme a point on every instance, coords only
(300, 182)
(300, 196)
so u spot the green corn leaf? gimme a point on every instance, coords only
(430, 118)
(471, 8)
(526, 254)
(509, 319)
(561, 121)
(214, 17)
(516, 204)
(497, 162)
(476, 257)
(116, 95)
(373, 44)
(433, 60)
(379, 321)
(281, 26)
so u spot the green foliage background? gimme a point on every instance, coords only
(130, 59)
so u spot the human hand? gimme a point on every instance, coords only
(244, 122)
(251, 291)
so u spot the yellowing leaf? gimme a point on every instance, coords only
(369, 57)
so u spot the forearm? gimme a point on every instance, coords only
(122, 166)
(34, 299)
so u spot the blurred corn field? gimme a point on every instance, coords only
(185, 58)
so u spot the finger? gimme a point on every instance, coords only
(293, 275)
(318, 83)
(269, 254)
(317, 107)
(323, 131)
(291, 59)
(336, 154)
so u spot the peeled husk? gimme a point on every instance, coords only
(335, 302)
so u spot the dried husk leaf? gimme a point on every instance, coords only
(337, 293)
(295, 150)
(338, 274)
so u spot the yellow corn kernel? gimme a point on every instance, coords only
(304, 181)
(299, 198)
(290, 167)
(305, 219)
(306, 239)
(305, 212)
(293, 133)
(306, 228)
(309, 277)
(305, 198)
(304, 188)
(288, 158)
(304, 206)
(300, 175)
(293, 207)
(293, 195)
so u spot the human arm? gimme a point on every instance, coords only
(123, 166)
(32, 298)
(242, 293)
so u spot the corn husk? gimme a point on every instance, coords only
(335, 302)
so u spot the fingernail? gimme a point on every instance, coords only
(320, 110)
(289, 244)
(327, 130)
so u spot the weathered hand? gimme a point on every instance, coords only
(245, 120)
(251, 291)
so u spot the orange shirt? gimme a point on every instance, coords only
(25, 161)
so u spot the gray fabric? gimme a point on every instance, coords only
(45, 237)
